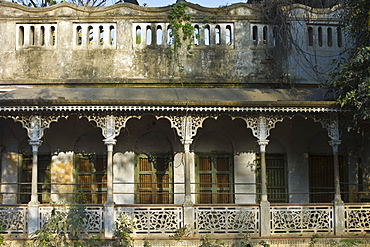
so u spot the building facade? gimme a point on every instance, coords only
(234, 137)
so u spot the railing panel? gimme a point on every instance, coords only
(224, 219)
(13, 219)
(357, 218)
(153, 219)
(92, 223)
(302, 219)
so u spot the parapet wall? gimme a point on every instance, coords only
(128, 44)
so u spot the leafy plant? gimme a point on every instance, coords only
(181, 233)
(245, 242)
(64, 227)
(350, 82)
(264, 244)
(124, 227)
(346, 243)
(206, 242)
(313, 240)
(181, 31)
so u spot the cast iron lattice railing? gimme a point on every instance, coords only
(93, 222)
(357, 218)
(302, 219)
(153, 219)
(286, 219)
(13, 219)
(227, 219)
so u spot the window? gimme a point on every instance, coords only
(255, 35)
(112, 35)
(32, 35)
(90, 34)
(207, 35)
(322, 179)
(159, 35)
(79, 35)
(21, 35)
(148, 35)
(228, 35)
(91, 172)
(310, 36)
(319, 30)
(339, 37)
(275, 177)
(101, 35)
(196, 35)
(214, 178)
(138, 35)
(217, 35)
(330, 37)
(43, 178)
(169, 36)
(42, 35)
(153, 179)
(52, 33)
(264, 35)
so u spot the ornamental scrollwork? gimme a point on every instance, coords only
(13, 220)
(330, 122)
(357, 219)
(227, 220)
(261, 125)
(302, 220)
(153, 220)
(109, 124)
(186, 126)
(35, 124)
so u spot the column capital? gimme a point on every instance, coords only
(263, 143)
(35, 144)
(110, 142)
(334, 143)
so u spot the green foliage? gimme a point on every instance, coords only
(179, 234)
(206, 242)
(64, 227)
(124, 227)
(147, 243)
(245, 242)
(313, 240)
(350, 82)
(264, 244)
(182, 33)
(346, 243)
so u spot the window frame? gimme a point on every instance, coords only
(98, 187)
(156, 191)
(214, 172)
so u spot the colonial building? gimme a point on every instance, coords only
(230, 136)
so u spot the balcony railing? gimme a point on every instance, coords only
(286, 219)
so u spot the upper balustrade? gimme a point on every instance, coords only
(129, 44)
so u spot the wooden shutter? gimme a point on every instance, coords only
(215, 176)
(275, 177)
(205, 180)
(92, 178)
(43, 177)
(322, 178)
(154, 180)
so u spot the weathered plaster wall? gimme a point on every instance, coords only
(62, 173)
(25, 61)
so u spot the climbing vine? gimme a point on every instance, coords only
(182, 33)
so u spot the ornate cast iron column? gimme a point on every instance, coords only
(331, 125)
(261, 126)
(187, 127)
(35, 126)
(111, 127)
